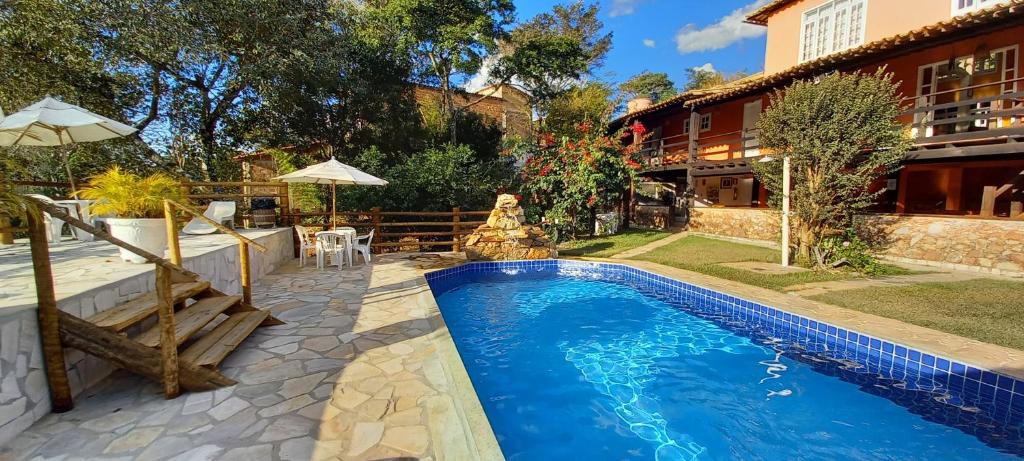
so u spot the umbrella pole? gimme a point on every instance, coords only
(334, 206)
(66, 158)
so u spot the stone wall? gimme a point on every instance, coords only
(24, 396)
(743, 223)
(986, 245)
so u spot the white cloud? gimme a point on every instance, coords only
(649, 43)
(707, 67)
(623, 7)
(725, 32)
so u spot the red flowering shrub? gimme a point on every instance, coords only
(580, 176)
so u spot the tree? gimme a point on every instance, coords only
(552, 52)
(444, 38)
(842, 135)
(592, 103)
(202, 59)
(585, 173)
(649, 84)
(699, 78)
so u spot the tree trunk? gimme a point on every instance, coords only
(208, 141)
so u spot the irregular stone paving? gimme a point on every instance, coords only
(358, 372)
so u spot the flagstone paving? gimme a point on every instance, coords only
(363, 369)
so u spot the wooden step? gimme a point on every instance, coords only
(214, 346)
(191, 319)
(131, 312)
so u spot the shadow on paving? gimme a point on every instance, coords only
(345, 378)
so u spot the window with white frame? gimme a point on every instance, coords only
(686, 127)
(834, 26)
(970, 6)
(705, 122)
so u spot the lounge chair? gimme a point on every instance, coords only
(220, 212)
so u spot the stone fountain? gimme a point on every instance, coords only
(506, 236)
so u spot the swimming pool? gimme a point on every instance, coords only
(577, 360)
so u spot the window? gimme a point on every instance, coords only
(970, 6)
(834, 26)
(705, 122)
(686, 127)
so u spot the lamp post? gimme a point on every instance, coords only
(786, 183)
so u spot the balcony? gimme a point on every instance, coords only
(987, 113)
(673, 152)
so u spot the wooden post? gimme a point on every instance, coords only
(243, 262)
(6, 233)
(375, 213)
(457, 246)
(286, 201)
(172, 233)
(168, 342)
(988, 201)
(1016, 210)
(49, 327)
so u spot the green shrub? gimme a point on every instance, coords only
(850, 248)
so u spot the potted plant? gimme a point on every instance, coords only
(137, 204)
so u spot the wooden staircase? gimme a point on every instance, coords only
(197, 326)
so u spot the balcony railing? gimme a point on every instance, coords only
(675, 150)
(967, 114)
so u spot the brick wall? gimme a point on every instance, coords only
(506, 108)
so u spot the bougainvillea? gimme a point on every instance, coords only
(581, 175)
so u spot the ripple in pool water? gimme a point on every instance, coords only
(574, 367)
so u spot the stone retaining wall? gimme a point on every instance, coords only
(24, 395)
(744, 223)
(985, 245)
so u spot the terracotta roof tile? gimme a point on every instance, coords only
(760, 16)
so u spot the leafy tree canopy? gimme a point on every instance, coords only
(699, 78)
(592, 103)
(841, 135)
(648, 84)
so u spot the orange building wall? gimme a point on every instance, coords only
(885, 18)
(722, 142)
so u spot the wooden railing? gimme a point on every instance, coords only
(968, 118)
(429, 228)
(240, 192)
(244, 243)
(677, 149)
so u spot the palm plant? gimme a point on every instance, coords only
(128, 195)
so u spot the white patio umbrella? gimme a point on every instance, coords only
(54, 123)
(332, 172)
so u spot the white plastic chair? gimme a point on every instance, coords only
(305, 244)
(221, 212)
(330, 245)
(362, 245)
(55, 226)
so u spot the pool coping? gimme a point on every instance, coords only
(992, 357)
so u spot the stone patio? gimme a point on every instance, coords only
(364, 369)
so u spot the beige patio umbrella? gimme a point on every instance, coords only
(55, 123)
(332, 172)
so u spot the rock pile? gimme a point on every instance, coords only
(505, 236)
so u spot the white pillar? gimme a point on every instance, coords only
(785, 210)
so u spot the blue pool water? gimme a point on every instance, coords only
(576, 365)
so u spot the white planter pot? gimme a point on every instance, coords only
(148, 234)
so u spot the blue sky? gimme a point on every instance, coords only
(673, 35)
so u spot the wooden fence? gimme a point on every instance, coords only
(393, 230)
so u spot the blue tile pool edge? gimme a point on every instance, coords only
(956, 376)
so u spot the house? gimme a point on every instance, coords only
(958, 64)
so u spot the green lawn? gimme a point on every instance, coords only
(705, 255)
(603, 247)
(989, 310)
